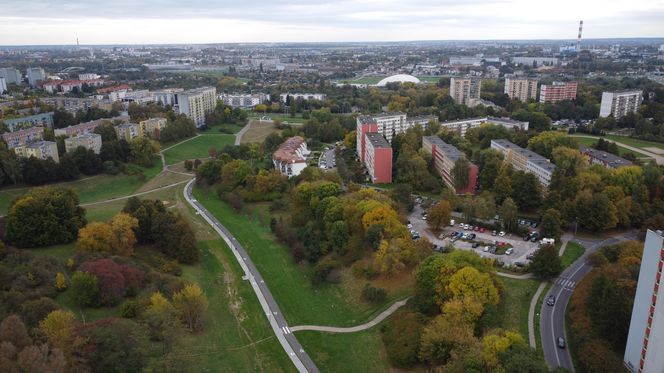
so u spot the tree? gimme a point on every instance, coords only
(497, 342)
(595, 211)
(123, 238)
(468, 282)
(439, 215)
(85, 288)
(544, 143)
(59, 327)
(526, 190)
(95, 237)
(44, 216)
(461, 174)
(41, 359)
(552, 224)
(508, 214)
(401, 337)
(60, 281)
(502, 187)
(441, 337)
(124, 338)
(569, 161)
(162, 320)
(546, 263)
(12, 330)
(143, 151)
(191, 304)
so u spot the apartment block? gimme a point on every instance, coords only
(291, 157)
(35, 75)
(463, 125)
(90, 141)
(22, 137)
(619, 104)
(39, 149)
(466, 91)
(197, 103)
(167, 97)
(11, 75)
(37, 120)
(152, 127)
(244, 101)
(3, 85)
(87, 127)
(445, 157)
(378, 158)
(557, 91)
(128, 131)
(88, 76)
(302, 96)
(608, 160)
(643, 352)
(525, 160)
(522, 89)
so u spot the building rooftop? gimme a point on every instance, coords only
(195, 91)
(377, 140)
(611, 159)
(626, 92)
(126, 125)
(287, 151)
(531, 155)
(39, 144)
(450, 151)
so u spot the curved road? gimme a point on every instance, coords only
(552, 319)
(284, 334)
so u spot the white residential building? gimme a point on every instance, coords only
(167, 96)
(388, 124)
(291, 157)
(11, 75)
(88, 140)
(88, 76)
(40, 150)
(525, 160)
(522, 89)
(3, 85)
(152, 127)
(197, 103)
(128, 131)
(302, 96)
(466, 91)
(619, 104)
(243, 100)
(643, 352)
(35, 74)
(463, 125)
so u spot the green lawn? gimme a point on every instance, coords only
(283, 118)
(299, 300)
(96, 188)
(346, 352)
(198, 147)
(584, 141)
(634, 142)
(572, 252)
(516, 303)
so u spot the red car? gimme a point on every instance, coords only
(501, 243)
(482, 230)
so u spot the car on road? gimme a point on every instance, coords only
(551, 300)
(486, 249)
(561, 342)
(534, 237)
(501, 234)
(509, 251)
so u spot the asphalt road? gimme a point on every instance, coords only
(552, 319)
(286, 338)
(328, 158)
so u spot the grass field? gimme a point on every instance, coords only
(352, 352)
(197, 147)
(641, 144)
(572, 252)
(284, 118)
(516, 303)
(257, 132)
(584, 141)
(299, 300)
(97, 188)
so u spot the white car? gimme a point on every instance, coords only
(410, 226)
(452, 223)
(486, 249)
(501, 234)
(509, 251)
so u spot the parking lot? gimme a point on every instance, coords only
(521, 248)
(327, 159)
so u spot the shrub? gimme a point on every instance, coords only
(373, 294)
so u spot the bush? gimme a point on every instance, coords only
(324, 268)
(401, 336)
(373, 294)
(85, 288)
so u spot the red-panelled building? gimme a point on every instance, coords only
(364, 125)
(558, 91)
(445, 157)
(378, 158)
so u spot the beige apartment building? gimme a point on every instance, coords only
(128, 131)
(466, 91)
(197, 103)
(90, 141)
(522, 89)
(152, 127)
(40, 150)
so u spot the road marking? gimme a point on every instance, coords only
(285, 330)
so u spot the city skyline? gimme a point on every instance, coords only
(39, 22)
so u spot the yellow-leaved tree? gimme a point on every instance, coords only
(191, 305)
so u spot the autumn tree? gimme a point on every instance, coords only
(123, 238)
(59, 329)
(508, 214)
(162, 320)
(546, 263)
(497, 342)
(85, 288)
(439, 215)
(191, 304)
(401, 337)
(441, 337)
(60, 281)
(468, 282)
(461, 173)
(13, 330)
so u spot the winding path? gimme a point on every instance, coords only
(238, 136)
(352, 329)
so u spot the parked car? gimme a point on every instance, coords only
(470, 227)
(486, 248)
(533, 225)
(409, 226)
(482, 230)
(561, 342)
(452, 223)
(509, 251)
(472, 236)
(526, 237)
(475, 245)
(501, 244)
(501, 234)
(477, 228)
(494, 233)
(493, 249)
(534, 237)
(551, 300)
(520, 264)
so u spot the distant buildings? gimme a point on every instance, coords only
(535, 61)
(86, 127)
(197, 103)
(445, 157)
(291, 157)
(243, 100)
(90, 141)
(378, 158)
(66, 86)
(167, 97)
(619, 104)
(466, 91)
(525, 160)
(463, 125)
(128, 131)
(11, 75)
(37, 120)
(39, 149)
(88, 76)
(522, 89)
(3, 85)
(302, 96)
(643, 352)
(35, 75)
(557, 91)
(152, 127)
(73, 104)
(23, 137)
(606, 159)
(465, 61)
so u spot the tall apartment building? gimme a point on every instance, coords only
(378, 158)
(291, 157)
(35, 75)
(445, 157)
(128, 131)
(525, 160)
(466, 91)
(386, 124)
(619, 104)
(11, 75)
(167, 97)
(37, 120)
(90, 141)
(557, 91)
(3, 84)
(244, 100)
(22, 137)
(197, 103)
(39, 149)
(643, 352)
(522, 89)
(302, 96)
(152, 127)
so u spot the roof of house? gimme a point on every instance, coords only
(608, 158)
(287, 151)
(377, 140)
(449, 150)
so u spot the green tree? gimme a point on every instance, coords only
(143, 151)
(439, 215)
(461, 174)
(552, 224)
(85, 288)
(191, 304)
(508, 214)
(526, 191)
(544, 143)
(546, 263)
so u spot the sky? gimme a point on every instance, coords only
(57, 22)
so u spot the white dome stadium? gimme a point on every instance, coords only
(399, 78)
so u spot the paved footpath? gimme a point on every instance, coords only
(284, 334)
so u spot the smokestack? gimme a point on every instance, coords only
(578, 39)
